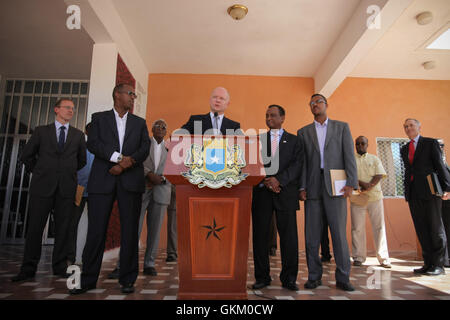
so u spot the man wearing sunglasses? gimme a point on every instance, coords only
(327, 144)
(119, 140)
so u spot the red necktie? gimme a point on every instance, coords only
(411, 154)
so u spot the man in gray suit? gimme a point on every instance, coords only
(159, 193)
(327, 144)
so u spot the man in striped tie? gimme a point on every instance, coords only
(422, 157)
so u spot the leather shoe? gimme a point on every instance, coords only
(260, 284)
(171, 259)
(150, 271)
(22, 276)
(128, 288)
(325, 259)
(435, 271)
(290, 286)
(312, 284)
(344, 286)
(82, 290)
(422, 270)
(114, 274)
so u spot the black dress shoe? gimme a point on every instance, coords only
(150, 271)
(127, 288)
(114, 274)
(22, 276)
(290, 286)
(312, 284)
(171, 259)
(422, 270)
(325, 259)
(435, 271)
(82, 290)
(260, 284)
(344, 286)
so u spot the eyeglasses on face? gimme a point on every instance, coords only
(360, 143)
(130, 93)
(68, 107)
(313, 103)
(160, 126)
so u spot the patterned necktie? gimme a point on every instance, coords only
(274, 145)
(216, 124)
(62, 138)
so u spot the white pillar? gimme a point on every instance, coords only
(103, 78)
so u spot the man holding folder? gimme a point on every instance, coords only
(327, 144)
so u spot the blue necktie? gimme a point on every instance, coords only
(62, 138)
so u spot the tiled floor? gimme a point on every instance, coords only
(370, 281)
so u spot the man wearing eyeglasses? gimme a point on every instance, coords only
(327, 144)
(215, 121)
(53, 154)
(159, 194)
(119, 140)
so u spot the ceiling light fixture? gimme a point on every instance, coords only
(237, 11)
(429, 65)
(424, 18)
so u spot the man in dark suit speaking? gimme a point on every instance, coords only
(215, 121)
(277, 192)
(421, 157)
(53, 154)
(120, 142)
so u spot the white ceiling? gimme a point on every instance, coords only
(283, 38)
(35, 42)
(401, 51)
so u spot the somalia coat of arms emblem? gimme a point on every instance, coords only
(215, 164)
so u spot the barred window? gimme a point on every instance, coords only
(388, 150)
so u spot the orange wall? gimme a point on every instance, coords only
(372, 107)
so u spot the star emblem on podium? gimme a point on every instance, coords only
(213, 229)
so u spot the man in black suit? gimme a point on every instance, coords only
(421, 157)
(215, 121)
(120, 142)
(277, 192)
(53, 154)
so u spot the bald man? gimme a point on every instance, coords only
(215, 121)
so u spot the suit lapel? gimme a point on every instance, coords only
(330, 133)
(283, 141)
(313, 134)
(128, 126)
(113, 124)
(207, 122)
(418, 149)
(52, 134)
(163, 156)
(70, 137)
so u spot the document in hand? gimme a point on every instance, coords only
(338, 181)
(434, 184)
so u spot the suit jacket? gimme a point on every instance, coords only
(338, 154)
(227, 124)
(160, 193)
(427, 159)
(285, 167)
(103, 141)
(51, 167)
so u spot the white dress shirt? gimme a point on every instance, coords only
(121, 124)
(321, 130)
(219, 121)
(157, 149)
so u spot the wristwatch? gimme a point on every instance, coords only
(119, 158)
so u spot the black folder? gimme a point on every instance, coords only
(434, 184)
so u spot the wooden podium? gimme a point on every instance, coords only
(213, 224)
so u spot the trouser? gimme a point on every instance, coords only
(73, 230)
(376, 215)
(335, 210)
(446, 221)
(100, 207)
(40, 208)
(427, 219)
